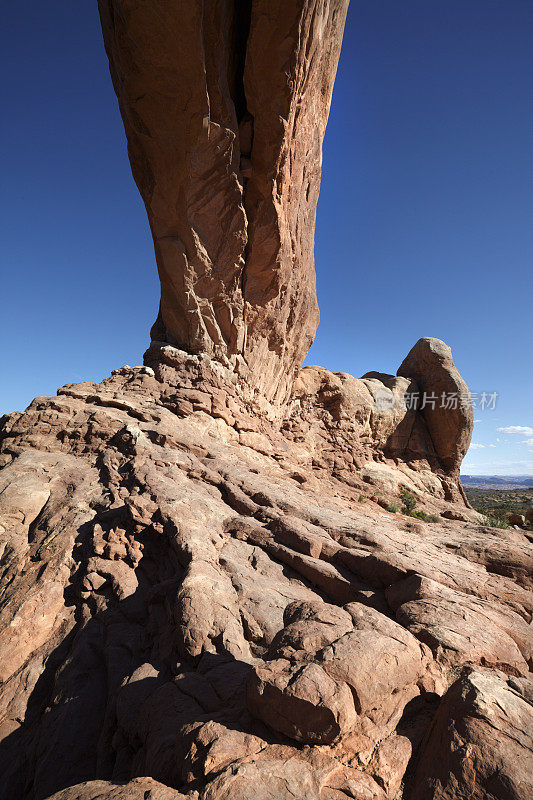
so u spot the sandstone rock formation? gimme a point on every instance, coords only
(190, 595)
(225, 106)
(208, 589)
(481, 741)
(448, 418)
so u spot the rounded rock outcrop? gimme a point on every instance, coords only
(444, 399)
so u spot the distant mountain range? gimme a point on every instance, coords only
(498, 481)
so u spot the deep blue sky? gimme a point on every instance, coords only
(424, 222)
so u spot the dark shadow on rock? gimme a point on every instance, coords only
(414, 724)
(68, 725)
(115, 693)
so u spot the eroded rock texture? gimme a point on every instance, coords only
(449, 421)
(481, 741)
(207, 590)
(225, 104)
(199, 600)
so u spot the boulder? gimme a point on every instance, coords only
(317, 695)
(444, 400)
(137, 789)
(301, 701)
(480, 744)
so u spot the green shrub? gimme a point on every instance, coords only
(492, 521)
(409, 508)
(424, 516)
(408, 501)
(361, 498)
(393, 508)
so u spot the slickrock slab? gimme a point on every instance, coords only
(205, 588)
(462, 629)
(481, 742)
(179, 605)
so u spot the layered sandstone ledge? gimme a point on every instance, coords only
(207, 587)
(198, 600)
(336, 422)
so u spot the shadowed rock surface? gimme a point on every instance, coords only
(191, 592)
(208, 588)
(481, 741)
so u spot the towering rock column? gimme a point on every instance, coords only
(225, 104)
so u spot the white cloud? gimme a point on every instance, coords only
(522, 430)
(474, 446)
(502, 468)
(529, 442)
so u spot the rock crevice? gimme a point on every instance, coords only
(213, 582)
(244, 87)
(188, 598)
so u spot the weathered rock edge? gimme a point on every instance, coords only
(205, 590)
(225, 106)
(194, 593)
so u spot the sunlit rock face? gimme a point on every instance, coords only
(225, 106)
(223, 577)
(197, 601)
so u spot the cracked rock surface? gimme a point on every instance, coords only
(225, 104)
(208, 589)
(194, 606)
